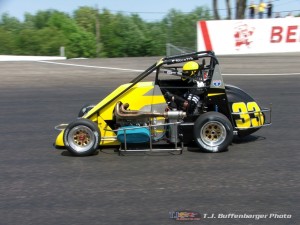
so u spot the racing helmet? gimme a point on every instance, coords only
(190, 69)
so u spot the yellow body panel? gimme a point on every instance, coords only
(215, 94)
(60, 139)
(139, 96)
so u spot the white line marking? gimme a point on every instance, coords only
(260, 74)
(134, 70)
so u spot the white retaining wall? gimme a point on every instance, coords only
(29, 58)
(227, 37)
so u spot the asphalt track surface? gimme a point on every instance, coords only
(40, 185)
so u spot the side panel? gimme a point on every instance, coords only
(216, 98)
(144, 96)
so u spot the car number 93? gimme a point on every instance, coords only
(250, 115)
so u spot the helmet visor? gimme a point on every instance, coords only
(189, 73)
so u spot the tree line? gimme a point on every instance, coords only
(90, 33)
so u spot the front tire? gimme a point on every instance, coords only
(213, 132)
(82, 137)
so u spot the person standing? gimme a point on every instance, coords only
(269, 9)
(261, 9)
(252, 10)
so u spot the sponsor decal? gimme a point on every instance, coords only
(283, 34)
(217, 83)
(182, 60)
(243, 35)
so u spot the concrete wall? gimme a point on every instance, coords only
(227, 37)
(29, 58)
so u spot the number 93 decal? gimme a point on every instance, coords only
(249, 115)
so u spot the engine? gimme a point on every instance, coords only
(162, 124)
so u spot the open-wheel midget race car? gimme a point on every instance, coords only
(180, 100)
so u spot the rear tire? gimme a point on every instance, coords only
(82, 137)
(213, 132)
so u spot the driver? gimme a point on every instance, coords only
(190, 99)
(190, 69)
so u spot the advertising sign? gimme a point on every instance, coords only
(249, 36)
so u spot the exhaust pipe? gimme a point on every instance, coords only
(122, 112)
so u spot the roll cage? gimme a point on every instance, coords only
(177, 59)
(170, 61)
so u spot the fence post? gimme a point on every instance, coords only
(62, 51)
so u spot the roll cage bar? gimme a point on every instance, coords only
(177, 59)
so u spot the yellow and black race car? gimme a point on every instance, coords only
(180, 100)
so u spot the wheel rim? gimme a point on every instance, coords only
(81, 138)
(213, 133)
